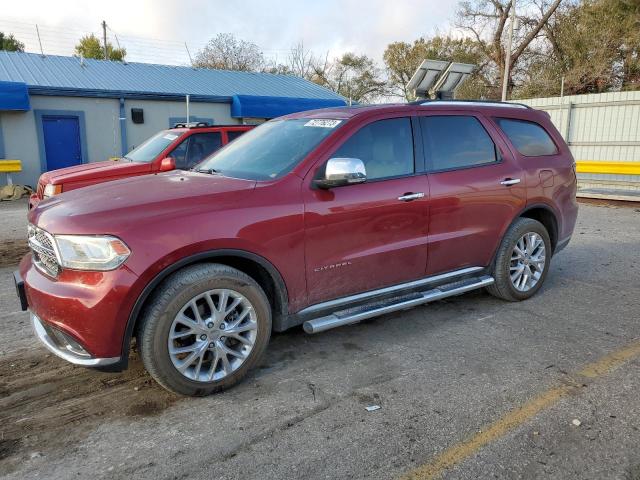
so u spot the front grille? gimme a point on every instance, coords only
(40, 190)
(44, 255)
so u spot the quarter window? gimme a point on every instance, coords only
(385, 147)
(529, 138)
(456, 141)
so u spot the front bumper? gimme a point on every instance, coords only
(80, 316)
(65, 347)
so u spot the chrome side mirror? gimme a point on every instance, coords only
(339, 172)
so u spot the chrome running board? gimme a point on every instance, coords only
(357, 314)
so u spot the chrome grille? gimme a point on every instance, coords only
(40, 190)
(43, 249)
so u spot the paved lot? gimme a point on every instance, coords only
(470, 388)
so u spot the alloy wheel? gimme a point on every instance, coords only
(212, 335)
(528, 261)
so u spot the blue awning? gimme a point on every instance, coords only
(14, 96)
(271, 107)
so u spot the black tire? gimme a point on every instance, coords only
(165, 304)
(503, 287)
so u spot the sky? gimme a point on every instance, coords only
(156, 31)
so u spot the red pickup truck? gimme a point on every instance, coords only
(180, 147)
(322, 219)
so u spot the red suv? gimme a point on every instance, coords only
(180, 147)
(321, 218)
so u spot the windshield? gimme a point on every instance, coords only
(151, 148)
(270, 150)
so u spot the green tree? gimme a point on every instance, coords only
(89, 46)
(10, 43)
(594, 45)
(402, 59)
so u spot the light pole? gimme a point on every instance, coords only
(507, 60)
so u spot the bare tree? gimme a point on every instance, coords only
(356, 77)
(486, 20)
(227, 52)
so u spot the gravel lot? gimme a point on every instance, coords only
(448, 377)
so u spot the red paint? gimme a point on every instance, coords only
(80, 176)
(324, 243)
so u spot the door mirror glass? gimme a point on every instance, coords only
(339, 172)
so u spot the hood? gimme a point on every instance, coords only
(88, 171)
(114, 207)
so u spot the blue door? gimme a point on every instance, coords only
(61, 141)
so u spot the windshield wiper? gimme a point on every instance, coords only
(210, 171)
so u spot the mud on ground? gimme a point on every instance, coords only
(47, 404)
(12, 251)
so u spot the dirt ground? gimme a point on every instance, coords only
(440, 373)
(11, 251)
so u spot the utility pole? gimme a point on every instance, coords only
(507, 60)
(104, 39)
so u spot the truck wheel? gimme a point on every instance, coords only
(522, 261)
(204, 328)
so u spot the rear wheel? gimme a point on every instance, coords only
(204, 329)
(522, 261)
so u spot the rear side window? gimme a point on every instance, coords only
(233, 134)
(529, 138)
(385, 147)
(456, 141)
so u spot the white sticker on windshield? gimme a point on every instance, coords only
(170, 136)
(322, 123)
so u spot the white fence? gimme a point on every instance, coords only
(601, 127)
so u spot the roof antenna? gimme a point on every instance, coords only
(189, 53)
(39, 41)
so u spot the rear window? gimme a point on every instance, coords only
(529, 138)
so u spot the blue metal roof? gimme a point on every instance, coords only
(58, 75)
(271, 107)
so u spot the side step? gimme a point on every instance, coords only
(357, 314)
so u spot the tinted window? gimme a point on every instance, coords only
(151, 148)
(270, 150)
(385, 147)
(456, 142)
(529, 138)
(234, 134)
(179, 154)
(201, 145)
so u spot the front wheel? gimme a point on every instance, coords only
(204, 329)
(522, 261)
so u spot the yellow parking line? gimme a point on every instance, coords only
(516, 417)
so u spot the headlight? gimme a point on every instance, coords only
(82, 252)
(50, 190)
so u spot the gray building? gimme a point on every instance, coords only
(54, 107)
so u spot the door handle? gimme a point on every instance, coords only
(407, 197)
(510, 181)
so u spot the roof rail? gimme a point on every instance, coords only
(487, 103)
(192, 125)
